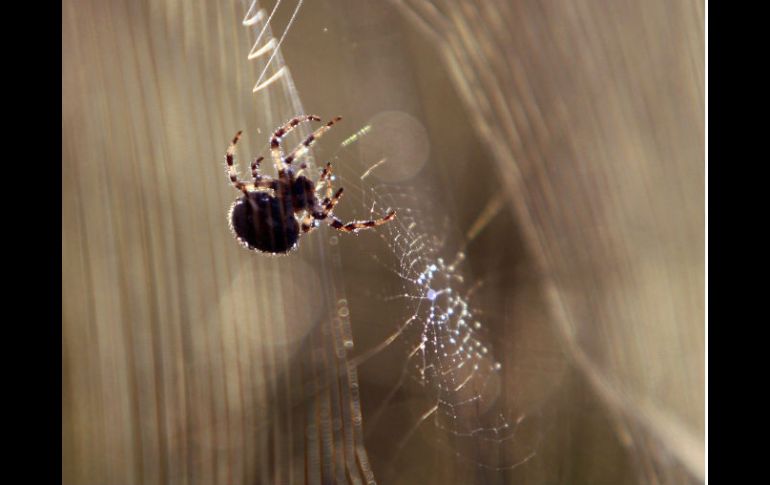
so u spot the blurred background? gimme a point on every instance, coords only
(558, 146)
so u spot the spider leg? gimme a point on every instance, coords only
(303, 147)
(322, 210)
(355, 226)
(308, 223)
(329, 203)
(325, 178)
(232, 170)
(255, 169)
(325, 173)
(275, 140)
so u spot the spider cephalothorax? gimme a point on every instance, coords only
(265, 217)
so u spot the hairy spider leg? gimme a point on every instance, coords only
(325, 173)
(255, 169)
(331, 202)
(260, 181)
(275, 140)
(308, 223)
(232, 170)
(355, 226)
(321, 211)
(300, 149)
(325, 178)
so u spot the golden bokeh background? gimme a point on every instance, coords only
(187, 359)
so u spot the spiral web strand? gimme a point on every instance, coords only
(447, 350)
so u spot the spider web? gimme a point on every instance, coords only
(446, 353)
(444, 349)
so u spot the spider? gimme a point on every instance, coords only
(265, 217)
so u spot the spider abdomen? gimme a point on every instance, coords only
(259, 221)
